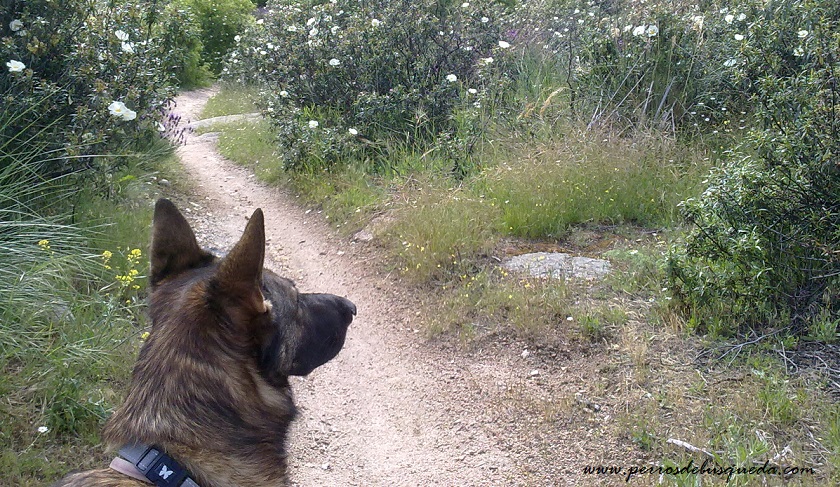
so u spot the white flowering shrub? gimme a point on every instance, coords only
(81, 79)
(644, 64)
(369, 73)
(764, 248)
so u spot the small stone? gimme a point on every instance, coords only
(525, 353)
(164, 182)
(534, 373)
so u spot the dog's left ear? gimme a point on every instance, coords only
(239, 275)
(174, 248)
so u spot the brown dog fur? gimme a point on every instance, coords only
(210, 385)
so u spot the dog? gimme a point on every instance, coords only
(209, 403)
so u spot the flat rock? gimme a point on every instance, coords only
(558, 265)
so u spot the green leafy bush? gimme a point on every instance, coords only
(346, 78)
(638, 64)
(81, 79)
(219, 22)
(765, 246)
(182, 46)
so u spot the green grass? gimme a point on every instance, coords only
(69, 318)
(231, 100)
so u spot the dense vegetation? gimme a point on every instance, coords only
(730, 106)
(699, 137)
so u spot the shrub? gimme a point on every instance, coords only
(181, 46)
(634, 64)
(219, 22)
(368, 73)
(765, 246)
(81, 79)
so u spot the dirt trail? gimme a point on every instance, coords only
(389, 410)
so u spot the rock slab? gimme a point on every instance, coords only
(558, 265)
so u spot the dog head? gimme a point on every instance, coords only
(294, 332)
(226, 335)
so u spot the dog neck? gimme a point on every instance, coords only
(152, 465)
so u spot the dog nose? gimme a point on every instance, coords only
(350, 307)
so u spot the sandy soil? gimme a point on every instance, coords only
(393, 409)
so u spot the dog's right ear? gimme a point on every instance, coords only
(174, 247)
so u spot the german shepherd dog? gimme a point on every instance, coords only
(209, 403)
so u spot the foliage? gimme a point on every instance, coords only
(765, 247)
(81, 79)
(218, 22)
(344, 79)
(182, 46)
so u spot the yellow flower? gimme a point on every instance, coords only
(144, 336)
(106, 255)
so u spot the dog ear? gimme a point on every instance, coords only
(239, 275)
(174, 248)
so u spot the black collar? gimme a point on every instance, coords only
(154, 464)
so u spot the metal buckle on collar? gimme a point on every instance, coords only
(161, 469)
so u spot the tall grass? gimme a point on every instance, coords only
(68, 315)
(584, 178)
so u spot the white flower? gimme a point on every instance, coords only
(237, 38)
(161, 127)
(353, 131)
(639, 30)
(119, 110)
(15, 66)
(310, 21)
(451, 78)
(284, 94)
(16, 25)
(730, 63)
(504, 44)
(652, 31)
(313, 124)
(43, 429)
(334, 62)
(260, 21)
(484, 20)
(739, 37)
(802, 34)
(128, 47)
(627, 28)
(729, 18)
(291, 28)
(472, 91)
(697, 20)
(334, 29)
(313, 32)
(121, 35)
(487, 60)
(742, 17)
(799, 52)
(375, 22)
(465, 4)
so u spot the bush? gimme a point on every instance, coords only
(219, 22)
(80, 79)
(182, 46)
(367, 73)
(649, 65)
(765, 246)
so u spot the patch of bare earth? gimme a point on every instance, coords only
(394, 408)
